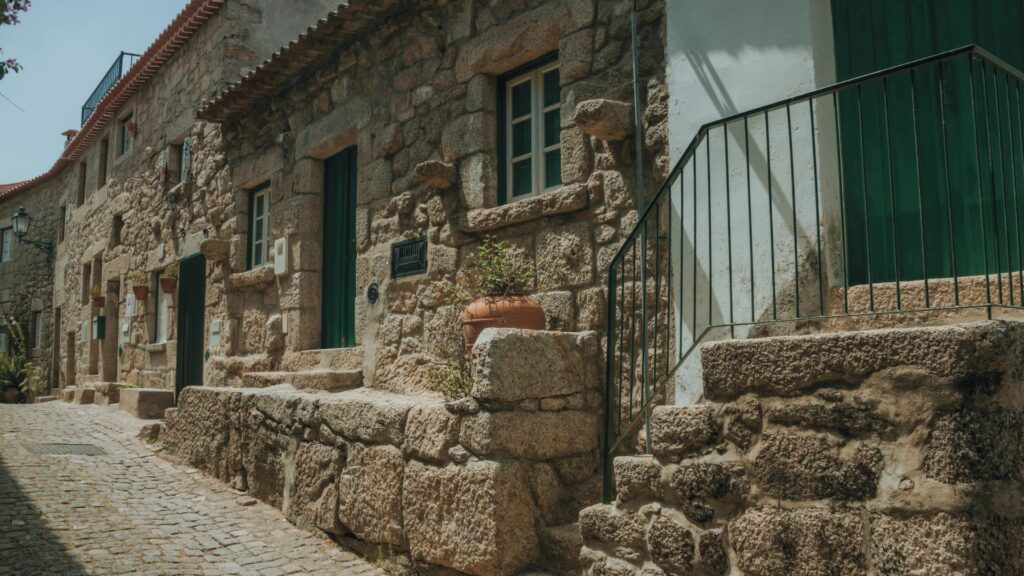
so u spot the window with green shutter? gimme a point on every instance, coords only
(259, 222)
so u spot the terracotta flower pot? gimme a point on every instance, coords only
(98, 301)
(513, 311)
(168, 284)
(11, 395)
(140, 291)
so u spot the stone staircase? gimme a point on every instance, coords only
(894, 451)
(330, 370)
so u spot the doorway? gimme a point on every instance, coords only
(916, 207)
(190, 322)
(338, 312)
(110, 329)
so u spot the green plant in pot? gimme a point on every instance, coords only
(96, 292)
(139, 281)
(169, 278)
(495, 288)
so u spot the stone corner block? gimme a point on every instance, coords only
(146, 403)
(512, 364)
(679, 430)
(477, 518)
(537, 435)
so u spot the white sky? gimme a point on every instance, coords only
(65, 47)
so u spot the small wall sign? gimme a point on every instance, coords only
(409, 257)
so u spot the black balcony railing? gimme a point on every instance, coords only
(897, 192)
(121, 64)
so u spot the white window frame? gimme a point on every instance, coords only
(259, 247)
(126, 140)
(537, 148)
(7, 241)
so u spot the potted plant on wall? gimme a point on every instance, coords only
(97, 296)
(139, 282)
(169, 278)
(496, 285)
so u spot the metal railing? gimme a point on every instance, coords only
(121, 64)
(894, 192)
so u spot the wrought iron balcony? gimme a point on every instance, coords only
(121, 64)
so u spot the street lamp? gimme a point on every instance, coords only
(22, 220)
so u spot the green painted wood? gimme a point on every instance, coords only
(338, 319)
(902, 211)
(191, 326)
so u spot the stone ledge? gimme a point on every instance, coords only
(512, 364)
(566, 199)
(788, 365)
(255, 279)
(146, 403)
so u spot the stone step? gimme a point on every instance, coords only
(107, 392)
(42, 399)
(560, 549)
(146, 403)
(317, 379)
(328, 358)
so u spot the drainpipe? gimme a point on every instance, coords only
(638, 162)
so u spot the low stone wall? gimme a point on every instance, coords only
(880, 452)
(471, 485)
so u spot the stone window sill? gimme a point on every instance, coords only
(566, 199)
(155, 347)
(255, 279)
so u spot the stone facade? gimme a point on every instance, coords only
(485, 485)
(884, 452)
(416, 95)
(26, 280)
(134, 214)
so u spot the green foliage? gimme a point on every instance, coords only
(15, 367)
(95, 291)
(9, 10)
(452, 379)
(171, 270)
(493, 269)
(138, 278)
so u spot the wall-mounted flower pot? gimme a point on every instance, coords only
(512, 311)
(140, 291)
(168, 284)
(98, 301)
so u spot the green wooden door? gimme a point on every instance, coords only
(919, 202)
(339, 251)
(190, 322)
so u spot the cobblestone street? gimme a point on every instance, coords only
(128, 511)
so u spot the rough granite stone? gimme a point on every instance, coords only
(807, 542)
(534, 435)
(671, 545)
(476, 518)
(370, 493)
(787, 365)
(430, 432)
(367, 415)
(804, 467)
(680, 430)
(512, 364)
(637, 477)
(969, 446)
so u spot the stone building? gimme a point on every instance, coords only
(785, 182)
(115, 201)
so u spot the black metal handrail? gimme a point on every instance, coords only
(896, 191)
(121, 64)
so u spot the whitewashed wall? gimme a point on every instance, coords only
(727, 57)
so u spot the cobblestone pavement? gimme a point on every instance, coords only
(131, 512)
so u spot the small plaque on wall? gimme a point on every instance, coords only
(409, 257)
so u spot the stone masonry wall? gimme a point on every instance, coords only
(26, 280)
(883, 452)
(160, 219)
(417, 95)
(474, 485)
